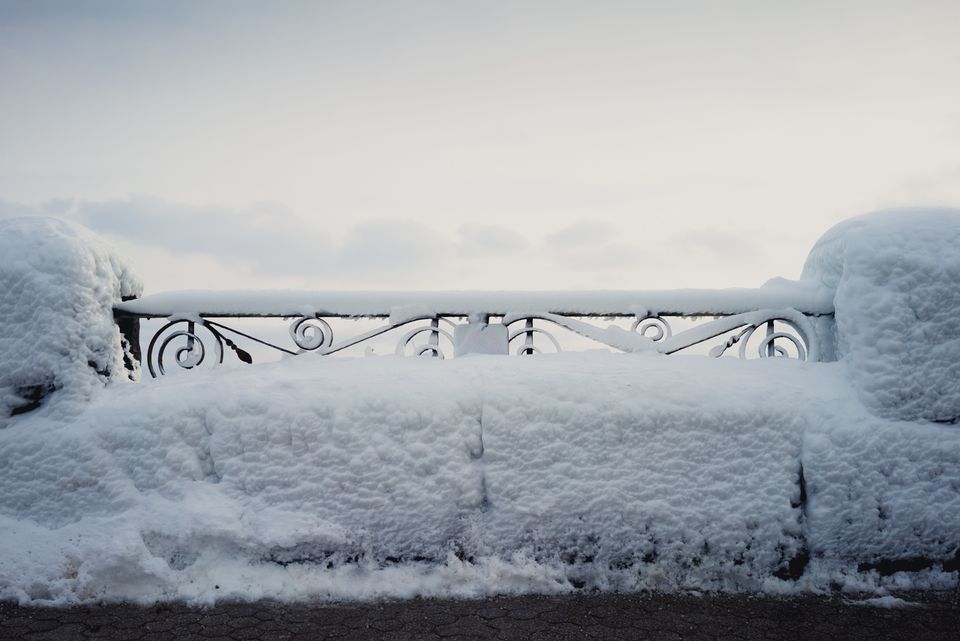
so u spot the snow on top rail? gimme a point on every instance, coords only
(806, 299)
(783, 307)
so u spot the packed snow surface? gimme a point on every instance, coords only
(896, 276)
(386, 476)
(887, 602)
(808, 297)
(58, 284)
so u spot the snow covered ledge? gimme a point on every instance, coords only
(365, 478)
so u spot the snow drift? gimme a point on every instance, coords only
(58, 285)
(395, 477)
(391, 477)
(897, 299)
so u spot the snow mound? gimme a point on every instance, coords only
(58, 283)
(393, 477)
(887, 602)
(897, 280)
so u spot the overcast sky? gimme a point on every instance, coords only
(433, 145)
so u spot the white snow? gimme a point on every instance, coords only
(887, 602)
(882, 489)
(637, 476)
(805, 296)
(373, 477)
(58, 283)
(896, 276)
(395, 477)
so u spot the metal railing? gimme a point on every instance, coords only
(442, 324)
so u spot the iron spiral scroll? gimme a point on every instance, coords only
(529, 334)
(310, 333)
(767, 346)
(434, 332)
(654, 327)
(194, 351)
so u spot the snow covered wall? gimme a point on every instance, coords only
(345, 478)
(897, 308)
(58, 284)
(390, 476)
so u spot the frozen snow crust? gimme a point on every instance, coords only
(58, 284)
(897, 280)
(391, 477)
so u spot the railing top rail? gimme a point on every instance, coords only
(805, 298)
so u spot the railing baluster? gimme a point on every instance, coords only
(528, 339)
(771, 349)
(434, 339)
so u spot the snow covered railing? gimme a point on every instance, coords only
(486, 322)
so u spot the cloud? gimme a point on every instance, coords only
(264, 239)
(594, 246)
(489, 241)
(265, 236)
(177, 246)
(582, 234)
(718, 243)
(386, 247)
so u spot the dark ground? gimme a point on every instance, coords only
(580, 616)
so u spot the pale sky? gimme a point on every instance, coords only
(486, 145)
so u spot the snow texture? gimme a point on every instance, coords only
(393, 477)
(887, 602)
(58, 283)
(804, 296)
(892, 488)
(379, 477)
(633, 476)
(896, 276)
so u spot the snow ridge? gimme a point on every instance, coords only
(58, 284)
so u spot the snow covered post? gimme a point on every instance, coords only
(478, 336)
(58, 285)
(896, 277)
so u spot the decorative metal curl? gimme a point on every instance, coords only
(767, 347)
(194, 352)
(187, 356)
(661, 328)
(309, 337)
(433, 345)
(528, 331)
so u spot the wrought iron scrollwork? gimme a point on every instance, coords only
(195, 341)
(311, 332)
(529, 333)
(767, 347)
(800, 336)
(653, 332)
(192, 351)
(654, 327)
(432, 347)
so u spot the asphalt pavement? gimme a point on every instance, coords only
(934, 616)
